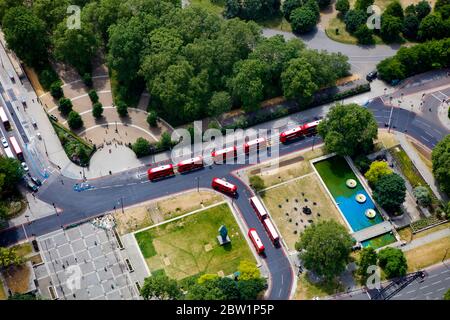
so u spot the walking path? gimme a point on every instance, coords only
(426, 239)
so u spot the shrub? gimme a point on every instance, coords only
(141, 147)
(65, 106)
(152, 119)
(122, 109)
(391, 27)
(56, 90)
(74, 120)
(410, 26)
(97, 110)
(257, 183)
(362, 163)
(165, 142)
(422, 195)
(93, 96)
(364, 35)
(87, 80)
(47, 77)
(342, 6)
(390, 192)
(353, 19)
(303, 20)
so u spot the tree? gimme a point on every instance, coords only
(376, 170)
(250, 289)
(52, 12)
(325, 248)
(141, 147)
(394, 9)
(440, 3)
(297, 81)
(93, 95)
(87, 79)
(422, 9)
(440, 158)
(166, 141)
(364, 35)
(122, 109)
(97, 110)
(74, 120)
(342, 6)
(11, 172)
(348, 129)
(363, 4)
(152, 119)
(393, 262)
(447, 295)
(422, 195)
(410, 26)
(65, 106)
(251, 9)
(219, 103)
(389, 192)
(391, 69)
(26, 35)
(9, 257)
(23, 296)
(432, 27)
(257, 183)
(289, 6)
(368, 257)
(445, 12)
(323, 3)
(248, 271)
(391, 27)
(303, 20)
(353, 19)
(56, 90)
(160, 287)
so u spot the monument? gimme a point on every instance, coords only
(223, 237)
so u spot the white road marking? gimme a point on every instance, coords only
(425, 138)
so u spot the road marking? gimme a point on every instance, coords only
(425, 138)
(424, 287)
(435, 282)
(443, 288)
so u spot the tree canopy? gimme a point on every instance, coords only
(389, 192)
(441, 163)
(393, 262)
(376, 170)
(160, 287)
(368, 257)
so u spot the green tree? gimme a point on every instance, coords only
(257, 183)
(141, 147)
(74, 120)
(342, 6)
(52, 12)
(9, 257)
(432, 27)
(323, 3)
(248, 270)
(390, 27)
(393, 262)
(440, 158)
(297, 81)
(368, 257)
(422, 195)
(87, 79)
(65, 106)
(445, 12)
(391, 69)
(353, 19)
(93, 95)
(56, 90)
(161, 287)
(364, 35)
(97, 110)
(394, 9)
(410, 26)
(166, 141)
(389, 192)
(325, 248)
(122, 109)
(376, 170)
(219, 103)
(250, 289)
(447, 295)
(289, 6)
(303, 20)
(348, 129)
(152, 119)
(11, 173)
(26, 35)
(422, 9)
(363, 4)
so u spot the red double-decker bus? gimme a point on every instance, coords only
(310, 127)
(256, 240)
(224, 186)
(223, 154)
(259, 208)
(4, 119)
(259, 143)
(160, 172)
(291, 134)
(16, 148)
(190, 164)
(271, 231)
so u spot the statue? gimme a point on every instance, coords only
(223, 237)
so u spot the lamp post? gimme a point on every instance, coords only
(198, 183)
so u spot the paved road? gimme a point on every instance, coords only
(433, 287)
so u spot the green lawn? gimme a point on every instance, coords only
(188, 246)
(215, 6)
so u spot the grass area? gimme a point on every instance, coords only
(289, 167)
(343, 35)
(424, 154)
(307, 290)
(277, 22)
(145, 242)
(287, 212)
(23, 249)
(216, 6)
(406, 234)
(3, 295)
(152, 212)
(427, 255)
(387, 139)
(189, 246)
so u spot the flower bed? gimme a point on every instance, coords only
(425, 223)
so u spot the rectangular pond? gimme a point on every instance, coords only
(380, 241)
(335, 172)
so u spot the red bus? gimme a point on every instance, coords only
(311, 127)
(223, 154)
(160, 172)
(259, 143)
(4, 119)
(224, 186)
(256, 240)
(190, 164)
(271, 231)
(291, 134)
(259, 208)
(16, 148)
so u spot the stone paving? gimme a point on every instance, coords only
(91, 251)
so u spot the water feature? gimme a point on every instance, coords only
(379, 241)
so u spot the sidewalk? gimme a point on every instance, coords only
(426, 239)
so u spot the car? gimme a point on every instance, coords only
(372, 76)
(30, 185)
(36, 181)
(5, 143)
(54, 118)
(25, 167)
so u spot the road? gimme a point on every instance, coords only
(433, 287)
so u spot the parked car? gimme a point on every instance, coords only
(5, 142)
(54, 118)
(372, 76)
(36, 181)
(25, 167)
(31, 186)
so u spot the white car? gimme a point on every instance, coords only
(5, 143)
(25, 167)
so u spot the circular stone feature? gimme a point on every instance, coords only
(370, 213)
(351, 183)
(360, 198)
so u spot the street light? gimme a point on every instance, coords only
(198, 183)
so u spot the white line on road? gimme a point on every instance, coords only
(435, 282)
(425, 138)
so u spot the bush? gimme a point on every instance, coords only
(141, 147)
(289, 6)
(165, 142)
(422, 195)
(122, 109)
(97, 110)
(152, 119)
(56, 90)
(353, 19)
(257, 183)
(391, 27)
(65, 106)
(410, 26)
(394, 9)
(74, 120)
(422, 9)
(432, 27)
(303, 20)
(47, 77)
(342, 6)
(364, 35)
(87, 80)
(93, 96)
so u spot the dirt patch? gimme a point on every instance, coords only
(34, 79)
(17, 278)
(424, 153)
(387, 139)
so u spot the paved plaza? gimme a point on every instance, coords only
(92, 253)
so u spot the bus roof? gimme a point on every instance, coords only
(161, 168)
(3, 115)
(15, 145)
(311, 124)
(262, 211)
(255, 141)
(222, 151)
(271, 228)
(224, 183)
(255, 237)
(198, 159)
(291, 131)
